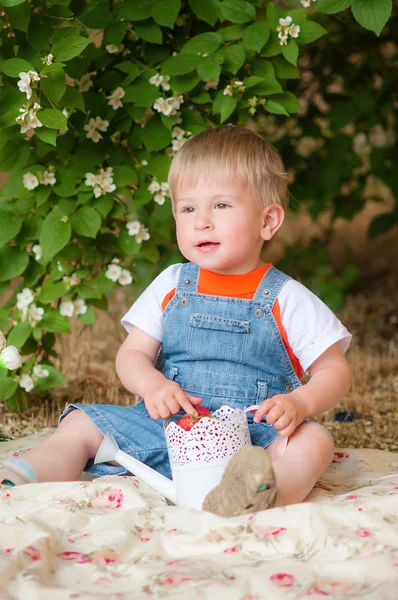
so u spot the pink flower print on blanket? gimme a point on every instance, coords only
(339, 457)
(283, 579)
(336, 589)
(108, 498)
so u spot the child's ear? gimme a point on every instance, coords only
(273, 217)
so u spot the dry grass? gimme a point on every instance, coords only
(86, 358)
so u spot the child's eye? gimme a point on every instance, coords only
(188, 209)
(222, 205)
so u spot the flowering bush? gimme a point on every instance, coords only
(96, 98)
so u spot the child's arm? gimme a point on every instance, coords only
(135, 368)
(330, 381)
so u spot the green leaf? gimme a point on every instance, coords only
(209, 68)
(14, 66)
(275, 108)
(180, 64)
(124, 175)
(7, 3)
(291, 52)
(52, 118)
(165, 12)
(8, 386)
(256, 36)
(310, 31)
(232, 32)
(10, 226)
(206, 10)
(19, 16)
(288, 101)
(13, 262)
(274, 13)
(13, 155)
(4, 312)
(204, 43)
(54, 84)
(234, 58)
(72, 98)
(51, 291)
(372, 14)
(202, 98)
(55, 322)
(149, 31)
(156, 136)
(135, 10)
(381, 224)
(284, 69)
(127, 243)
(98, 17)
(86, 221)
(225, 105)
(53, 379)
(331, 7)
(49, 136)
(184, 83)
(237, 11)
(69, 48)
(55, 234)
(89, 317)
(19, 334)
(142, 93)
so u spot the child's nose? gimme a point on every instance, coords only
(203, 221)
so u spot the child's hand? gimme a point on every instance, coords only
(284, 411)
(166, 398)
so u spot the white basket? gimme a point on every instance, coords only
(198, 457)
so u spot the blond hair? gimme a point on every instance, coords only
(232, 151)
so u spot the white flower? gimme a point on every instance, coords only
(112, 48)
(228, 91)
(100, 124)
(94, 135)
(285, 22)
(84, 83)
(27, 383)
(133, 227)
(210, 83)
(91, 179)
(176, 144)
(37, 251)
(159, 198)
(170, 105)
(379, 138)
(24, 298)
(164, 186)
(108, 187)
(113, 272)
(74, 280)
(156, 79)
(165, 83)
(178, 133)
(294, 30)
(49, 178)
(115, 261)
(39, 372)
(154, 186)
(283, 40)
(30, 181)
(115, 98)
(142, 235)
(10, 358)
(28, 118)
(3, 342)
(35, 313)
(80, 307)
(360, 144)
(67, 308)
(305, 3)
(125, 277)
(144, 163)
(97, 191)
(59, 266)
(24, 84)
(48, 60)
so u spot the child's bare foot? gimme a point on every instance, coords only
(248, 485)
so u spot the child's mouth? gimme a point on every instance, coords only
(207, 246)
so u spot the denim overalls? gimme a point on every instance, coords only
(224, 350)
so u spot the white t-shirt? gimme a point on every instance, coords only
(310, 326)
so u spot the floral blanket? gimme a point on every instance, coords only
(114, 537)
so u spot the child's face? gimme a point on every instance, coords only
(220, 226)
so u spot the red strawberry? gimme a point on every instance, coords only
(187, 422)
(203, 411)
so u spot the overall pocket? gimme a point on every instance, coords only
(217, 338)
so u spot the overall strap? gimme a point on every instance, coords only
(188, 279)
(270, 286)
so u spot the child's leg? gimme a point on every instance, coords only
(63, 455)
(307, 455)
